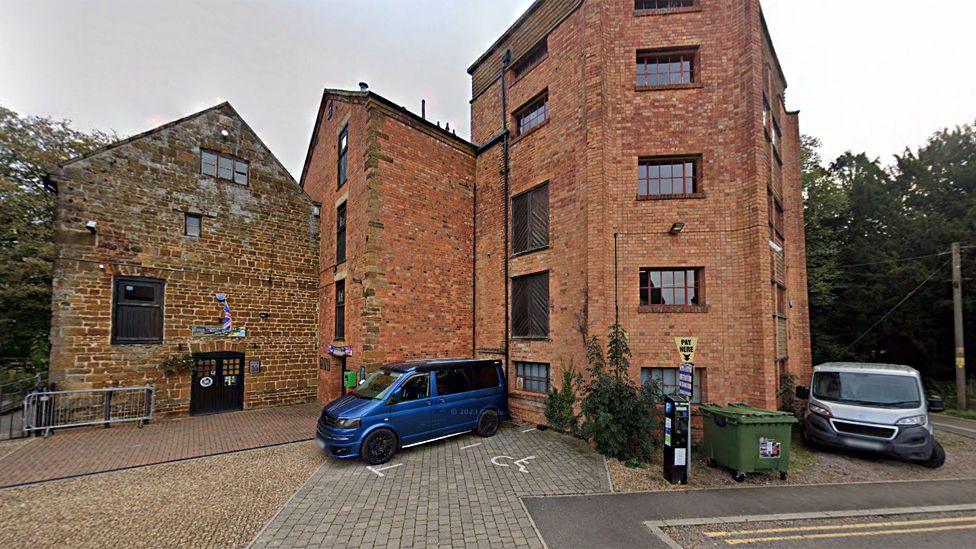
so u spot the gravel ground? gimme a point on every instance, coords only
(694, 536)
(807, 466)
(218, 501)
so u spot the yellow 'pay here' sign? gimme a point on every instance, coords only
(686, 348)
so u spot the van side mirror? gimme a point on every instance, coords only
(802, 392)
(936, 404)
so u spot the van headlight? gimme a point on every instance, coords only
(819, 410)
(347, 423)
(912, 420)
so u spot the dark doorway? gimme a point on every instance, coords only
(217, 384)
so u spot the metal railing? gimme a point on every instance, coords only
(12, 395)
(49, 410)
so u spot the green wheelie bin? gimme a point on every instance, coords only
(747, 439)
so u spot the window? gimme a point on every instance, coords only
(531, 58)
(191, 224)
(670, 68)
(343, 153)
(530, 220)
(341, 233)
(775, 213)
(533, 113)
(662, 6)
(530, 305)
(340, 310)
(484, 376)
(451, 381)
(138, 311)
(534, 376)
(779, 301)
(670, 287)
(765, 114)
(223, 167)
(416, 388)
(667, 176)
(667, 380)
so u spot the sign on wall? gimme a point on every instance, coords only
(686, 348)
(345, 350)
(254, 366)
(217, 331)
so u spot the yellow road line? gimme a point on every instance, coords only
(853, 534)
(838, 526)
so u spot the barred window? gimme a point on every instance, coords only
(340, 310)
(530, 305)
(667, 68)
(341, 233)
(533, 113)
(534, 376)
(530, 220)
(191, 224)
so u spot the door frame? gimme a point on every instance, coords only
(237, 400)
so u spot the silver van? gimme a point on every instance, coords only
(871, 407)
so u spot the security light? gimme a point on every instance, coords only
(91, 226)
(677, 227)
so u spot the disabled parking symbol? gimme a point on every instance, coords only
(520, 463)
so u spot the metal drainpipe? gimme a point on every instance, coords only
(506, 59)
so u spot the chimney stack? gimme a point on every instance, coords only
(423, 109)
(363, 86)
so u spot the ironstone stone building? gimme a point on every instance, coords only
(631, 162)
(151, 231)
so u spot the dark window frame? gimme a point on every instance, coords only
(186, 224)
(647, 294)
(654, 57)
(340, 311)
(235, 164)
(342, 159)
(119, 302)
(522, 365)
(654, 7)
(533, 114)
(530, 317)
(531, 58)
(534, 225)
(342, 223)
(671, 162)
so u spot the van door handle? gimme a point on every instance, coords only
(429, 403)
(443, 400)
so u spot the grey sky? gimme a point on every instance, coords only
(872, 75)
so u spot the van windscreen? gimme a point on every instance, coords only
(866, 389)
(377, 385)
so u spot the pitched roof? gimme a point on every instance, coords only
(365, 96)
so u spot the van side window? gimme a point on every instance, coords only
(416, 388)
(484, 377)
(451, 381)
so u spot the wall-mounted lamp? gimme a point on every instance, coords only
(676, 228)
(91, 226)
(224, 133)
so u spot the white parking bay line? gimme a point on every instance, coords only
(527, 430)
(471, 446)
(378, 469)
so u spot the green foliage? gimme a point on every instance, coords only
(618, 416)
(785, 394)
(30, 147)
(177, 364)
(873, 234)
(561, 402)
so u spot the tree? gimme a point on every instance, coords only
(30, 147)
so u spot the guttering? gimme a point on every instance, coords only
(506, 59)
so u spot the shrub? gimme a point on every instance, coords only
(560, 403)
(618, 416)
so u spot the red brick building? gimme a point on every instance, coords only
(151, 231)
(633, 162)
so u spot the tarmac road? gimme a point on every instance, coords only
(953, 424)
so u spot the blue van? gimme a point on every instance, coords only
(410, 403)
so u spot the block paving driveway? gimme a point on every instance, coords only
(462, 491)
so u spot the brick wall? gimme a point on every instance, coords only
(258, 245)
(600, 124)
(408, 273)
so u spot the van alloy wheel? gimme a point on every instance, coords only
(379, 447)
(488, 423)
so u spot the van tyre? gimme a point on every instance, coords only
(487, 423)
(937, 459)
(378, 447)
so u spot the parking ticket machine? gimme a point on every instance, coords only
(677, 438)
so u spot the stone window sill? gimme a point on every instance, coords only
(527, 395)
(691, 86)
(529, 252)
(652, 13)
(531, 338)
(672, 309)
(676, 196)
